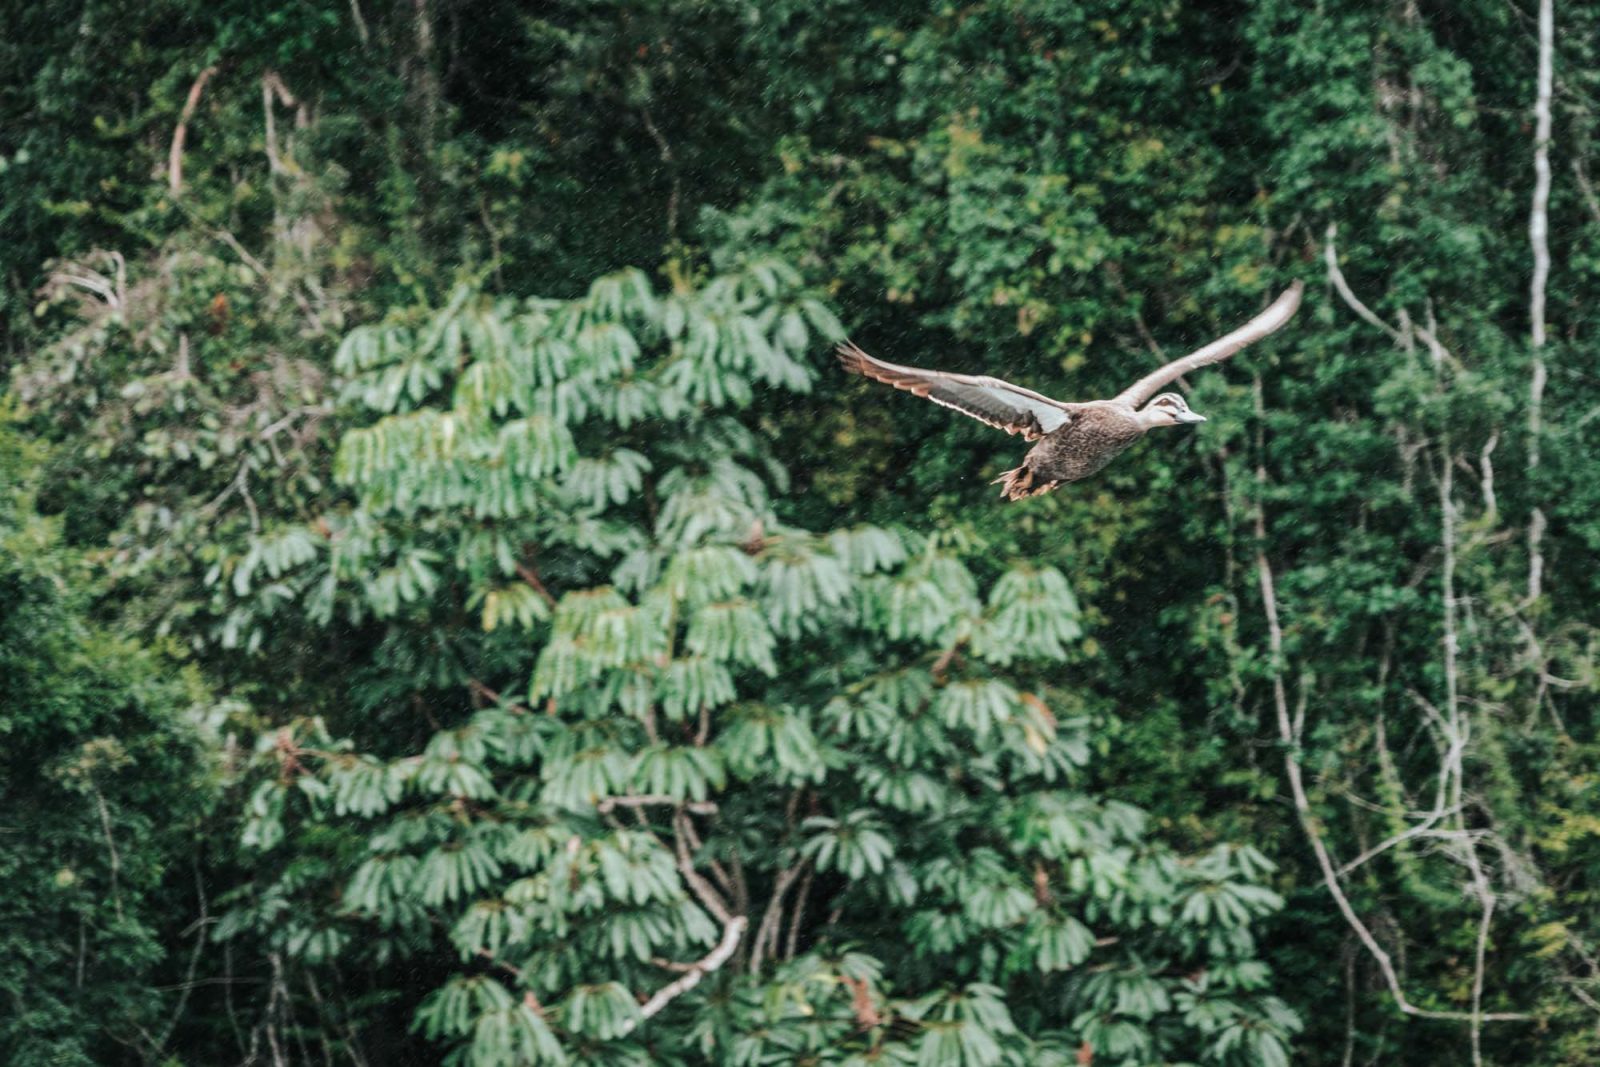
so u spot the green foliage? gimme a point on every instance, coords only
(717, 705)
(102, 786)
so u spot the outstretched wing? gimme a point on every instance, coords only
(1280, 312)
(1000, 404)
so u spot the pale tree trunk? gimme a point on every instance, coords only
(1539, 237)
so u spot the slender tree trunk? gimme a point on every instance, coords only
(1539, 237)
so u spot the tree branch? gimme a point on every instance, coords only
(484, 691)
(798, 916)
(181, 132)
(732, 930)
(670, 163)
(772, 919)
(1330, 256)
(531, 576)
(700, 887)
(699, 807)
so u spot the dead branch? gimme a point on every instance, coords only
(179, 134)
(1308, 821)
(200, 937)
(1400, 336)
(361, 24)
(1586, 189)
(269, 83)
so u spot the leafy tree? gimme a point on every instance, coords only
(715, 757)
(102, 786)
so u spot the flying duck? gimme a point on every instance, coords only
(1075, 440)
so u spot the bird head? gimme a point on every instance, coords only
(1169, 409)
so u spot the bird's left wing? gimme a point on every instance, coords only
(1280, 312)
(990, 400)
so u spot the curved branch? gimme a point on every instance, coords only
(712, 961)
(181, 133)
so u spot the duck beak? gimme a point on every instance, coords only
(1189, 417)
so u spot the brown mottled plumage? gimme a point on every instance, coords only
(1075, 440)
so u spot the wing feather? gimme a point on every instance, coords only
(989, 400)
(1280, 312)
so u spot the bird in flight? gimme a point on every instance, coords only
(1075, 440)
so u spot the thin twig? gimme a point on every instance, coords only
(199, 926)
(772, 919)
(696, 845)
(672, 171)
(531, 577)
(361, 24)
(1330, 256)
(1586, 189)
(484, 691)
(111, 846)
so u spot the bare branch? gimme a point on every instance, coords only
(772, 919)
(531, 577)
(200, 937)
(361, 24)
(484, 691)
(1308, 823)
(692, 878)
(272, 85)
(1486, 470)
(699, 807)
(667, 160)
(181, 132)
(111, 846)
(797, 920)
(1330, 256)
(732, 930)
(1586, 189)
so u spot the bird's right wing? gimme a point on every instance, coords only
(990, 400)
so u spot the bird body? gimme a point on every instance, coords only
(1096, 434)
(1075, 440)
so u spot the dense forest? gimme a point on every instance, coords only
(454, 609)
